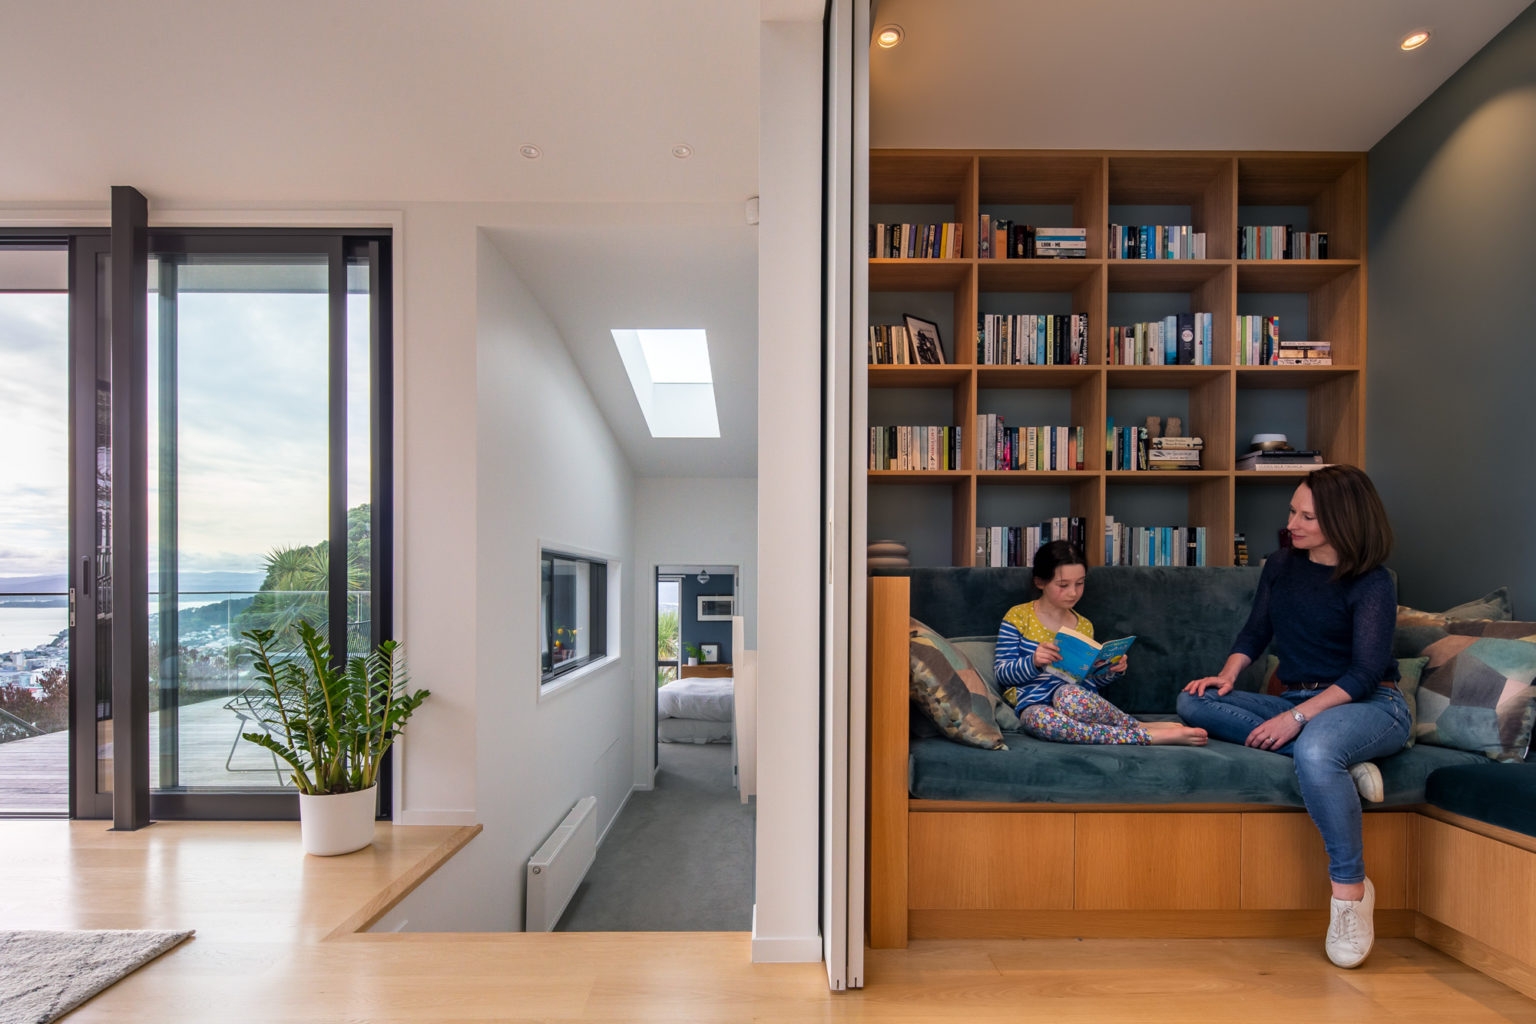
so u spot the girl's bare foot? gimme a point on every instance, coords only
(1175, 734)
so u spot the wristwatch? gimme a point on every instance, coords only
(1299, 715)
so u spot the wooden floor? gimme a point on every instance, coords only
(275, 943)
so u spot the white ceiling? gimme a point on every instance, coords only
(1170, 74)
(380, 102)
(636, 275)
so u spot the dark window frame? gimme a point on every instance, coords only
(597, 614)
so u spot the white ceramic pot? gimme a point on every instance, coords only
(337, 823)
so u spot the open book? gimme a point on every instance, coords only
(1081, 654)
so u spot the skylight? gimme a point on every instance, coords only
(669, 371)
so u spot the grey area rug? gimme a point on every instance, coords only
(44, 975)
(679, 858)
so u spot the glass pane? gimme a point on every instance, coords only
(568, 604)
(238, 441)
(359, 459)
(34, 531)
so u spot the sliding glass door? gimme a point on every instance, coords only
(266, 441)
(34, 528)
(262, 454)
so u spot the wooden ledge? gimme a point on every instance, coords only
(1509, 837)
(401, 886)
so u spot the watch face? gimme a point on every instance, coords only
(1299, 717)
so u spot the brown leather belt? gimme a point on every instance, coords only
(1314, 687)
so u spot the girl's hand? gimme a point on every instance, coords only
(1275, 733)
(1199, 686)
(1118, 666)
(1047, 654)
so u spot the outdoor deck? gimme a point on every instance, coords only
(34, 773)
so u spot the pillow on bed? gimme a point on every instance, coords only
(949, 690)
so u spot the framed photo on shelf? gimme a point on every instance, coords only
(925, 340)
(711, 653)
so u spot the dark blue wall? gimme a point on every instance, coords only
(696, 632)
(1452, 308)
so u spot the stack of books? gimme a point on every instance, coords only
(1175, 453)
(1304, 353)
(1286, 460)
(1061, 243)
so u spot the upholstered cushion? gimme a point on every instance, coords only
(981, 651)
(1185, 619)
(1500, 794)
(948, 689)
(1494, 605)
(1036, 771)
(1478, 694)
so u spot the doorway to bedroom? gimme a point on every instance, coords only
(680, 856)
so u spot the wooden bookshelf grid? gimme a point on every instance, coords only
(1320, 407)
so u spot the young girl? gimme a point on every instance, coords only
(1049, 707)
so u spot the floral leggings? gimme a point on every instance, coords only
(1078, 715)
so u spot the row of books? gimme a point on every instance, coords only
(1179, 339)
(914, 448)
(1174, 453)
(1032, 339)
(895, 345)
(1256, 340)
(1003, 546)
(1153, 545)
(1156, 242)
(1002, 239)
(1280, 242)
(916, 241)
(1032, 449)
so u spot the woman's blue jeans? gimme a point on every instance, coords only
(1332, 741)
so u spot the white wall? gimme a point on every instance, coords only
(682, 520)
(546, 469)
(785, 925)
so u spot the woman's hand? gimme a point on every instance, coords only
(1199, 686)
(1275, 733)
(1047, 654)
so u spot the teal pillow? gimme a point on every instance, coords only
(949, 690)
(980, 651)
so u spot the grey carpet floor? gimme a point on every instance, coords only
(679, 857)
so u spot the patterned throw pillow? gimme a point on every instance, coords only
(1494, 606)
(1477, 694)
(950, 691)
(981, 652)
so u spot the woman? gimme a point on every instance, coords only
(1330, 608)
(1049, 708)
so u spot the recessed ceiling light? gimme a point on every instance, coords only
(530, 152)
(682, 151)
(1414, 40)
(889, 36)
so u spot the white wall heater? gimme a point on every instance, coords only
(557, 867)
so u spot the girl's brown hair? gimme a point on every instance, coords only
(1352, 518)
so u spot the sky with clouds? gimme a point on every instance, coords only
(252, 431)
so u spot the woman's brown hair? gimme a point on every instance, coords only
(1352, 518)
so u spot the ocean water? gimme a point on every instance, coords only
(23, 628)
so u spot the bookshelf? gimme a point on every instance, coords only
(1322, 407)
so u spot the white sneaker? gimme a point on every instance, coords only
(1351, 932)
(1368, 781)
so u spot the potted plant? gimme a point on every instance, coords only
(331, 726)
(694, 654)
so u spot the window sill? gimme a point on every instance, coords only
(570, 679)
